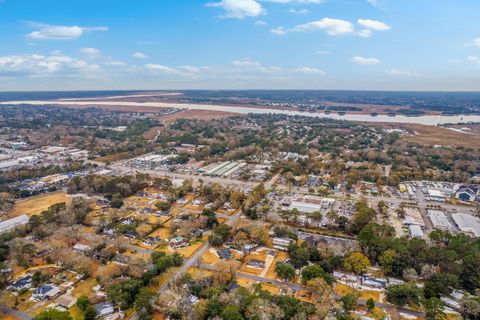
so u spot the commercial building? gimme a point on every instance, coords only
(11, 224)
(413, 217)
(467, 193)
(415, 231)
(439, 220)
(467, 223)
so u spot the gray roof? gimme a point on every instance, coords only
(9, 224)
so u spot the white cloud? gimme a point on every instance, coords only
(474, 43)
(401, 73)
(335, 27)
(473, 58)
(299, 11)
(295, 1)
(260, 23)
(38, 65)
(364, 33)
(324, 52)
(331, 26)
(308, 70)
(139, 55)
(91, 53)
(279, 31)
(51, 32)
(373, 25)
(239, 9)
(364, 61)
(160, 68)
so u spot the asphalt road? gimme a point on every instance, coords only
(12, 312)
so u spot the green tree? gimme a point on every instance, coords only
(90, 313)
(349, 301)
(434, 309)
(285, 271)
(231, 313)
(356, 262)
(144, 299)
(403, 294)
(370, 304)
(83, 303)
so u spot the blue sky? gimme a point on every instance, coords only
(240, 44)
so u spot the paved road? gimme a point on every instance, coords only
(193, 260)
(12, 312)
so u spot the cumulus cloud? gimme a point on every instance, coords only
(38, 65)
(474, 43)
(295, 1)
(91, 53)
(239, 9)
(260, 23)
(336, 27)
(373, 24)
(364, 61)
(55, 32)
(279, 31)
(160, 68)
(139, 55)
(331, 26)
(308, 70)
(299, 11)
(401, 73)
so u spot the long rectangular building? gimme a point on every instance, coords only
(11, 224)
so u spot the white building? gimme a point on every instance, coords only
(415, 231)
(10, 224)
(439, 220)
(467, 223)
(281, 243)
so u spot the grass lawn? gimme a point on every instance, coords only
(84, 288)
(209, 257)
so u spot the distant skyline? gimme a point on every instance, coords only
(431, 45)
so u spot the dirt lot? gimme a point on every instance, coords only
(37, 204)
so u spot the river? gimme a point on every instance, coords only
(425, 119)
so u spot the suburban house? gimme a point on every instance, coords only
(256, 263)
(66, 301)
(81, 248)
(104, 309)
(47, 291)
(179, 242)
(22, 283)
(224, 254)
(281, 243)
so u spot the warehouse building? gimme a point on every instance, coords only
(467, 223)
(439, 220)
(11, 224)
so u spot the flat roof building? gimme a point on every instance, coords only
(439, 220)
(10, 224)
(467, 223)
(415, 231)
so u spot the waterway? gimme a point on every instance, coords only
(425, 119)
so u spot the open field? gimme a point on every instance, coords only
(432, 135)
(115, 157)
(37, 204)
